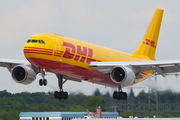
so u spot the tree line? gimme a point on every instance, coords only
(12, 104)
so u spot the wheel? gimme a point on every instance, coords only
(56, 94)
(60, 95)
(40, 82)
(124, 96)
(115, 95)
(65, 95)
(44, 82)
(120, 95)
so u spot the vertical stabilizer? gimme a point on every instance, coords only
(148, 46)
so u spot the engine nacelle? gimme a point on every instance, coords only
(122, 75)
(23, 74)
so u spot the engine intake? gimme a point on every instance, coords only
(23, 74)
(122, 75)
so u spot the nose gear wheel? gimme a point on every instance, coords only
(42, 81)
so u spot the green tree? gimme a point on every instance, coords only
(127, 114)
(131, 94)
(97, 92)
(107, 95)
(45, 107)
(77, 108)
(93, 102)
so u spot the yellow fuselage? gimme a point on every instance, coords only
(70, 57)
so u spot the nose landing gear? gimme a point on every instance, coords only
(43, 81)
(61, 94)
(120, 95)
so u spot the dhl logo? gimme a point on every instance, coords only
(150, 43)
(77, 53)
(81, 53)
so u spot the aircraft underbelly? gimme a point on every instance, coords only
(75, 72)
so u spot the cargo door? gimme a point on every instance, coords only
(57, 47)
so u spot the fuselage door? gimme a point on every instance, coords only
(56, 44)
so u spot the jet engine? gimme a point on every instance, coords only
(122, 75)
(23, 74)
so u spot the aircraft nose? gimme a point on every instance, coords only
(27, 48)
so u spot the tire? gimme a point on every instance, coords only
(124, 96)
(60, 95)
(56, 94)
(120, 95)
(40, 82)
(115, 95)
(44, 82)
(65, 95)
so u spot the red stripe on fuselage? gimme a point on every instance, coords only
(37, 48)
(75, 72)
(39, 53)
(28, 50)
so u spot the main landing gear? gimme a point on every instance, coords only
(120, 95)
(43, 81)
(61, 94)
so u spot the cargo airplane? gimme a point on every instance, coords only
(71, 59)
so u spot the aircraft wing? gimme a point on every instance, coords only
(161, 67)
(10, 63)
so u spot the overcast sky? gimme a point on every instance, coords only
(116, 24)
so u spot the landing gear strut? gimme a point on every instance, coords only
(61, 94)
(120, 94)
(43, 81)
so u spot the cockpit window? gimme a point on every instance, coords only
(34, 41)
(42, 42)
(28, 41)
